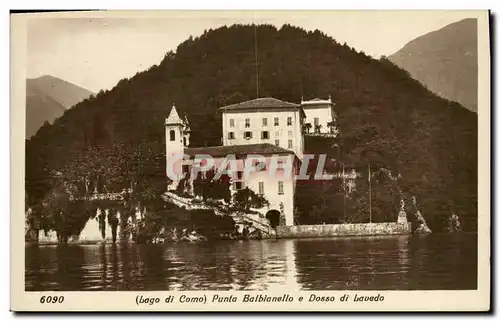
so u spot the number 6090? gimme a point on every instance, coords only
(52, 299)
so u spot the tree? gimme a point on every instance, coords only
(246, 198)
(220, 188)
(56, 209)
(105, 169)
(332, 126)
(206, 186)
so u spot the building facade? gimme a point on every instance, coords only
(264, 121)
(272, 181)
(320, 117)
(275, 181)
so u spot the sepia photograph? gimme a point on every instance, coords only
(256, 155)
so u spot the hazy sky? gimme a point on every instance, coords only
(96, 53)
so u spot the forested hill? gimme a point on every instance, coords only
(385, 116)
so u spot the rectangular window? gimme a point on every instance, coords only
(264, 121)
(264, 135)
(316, 121)
(290, 143)
(230, 135)
(289, 121)
(247, 135)
(290, 133)
(247, 122)
(256, 163)
(239, 174)
(280, 188)
(231, 122)
(261, 188)
(276, 121)
(237, 186)
(280, 164)
(185, 169)
(277, 142)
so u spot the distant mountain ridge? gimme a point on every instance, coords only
(445, 61)
(47, 98)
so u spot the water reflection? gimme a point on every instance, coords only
(398, 262)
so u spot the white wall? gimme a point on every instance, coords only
(271, 191)
(176, 146)
(322, 112)
(270, 185)
(172, 148)
(283, 132)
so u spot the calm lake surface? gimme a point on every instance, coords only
(368, 263)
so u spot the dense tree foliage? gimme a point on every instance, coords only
(206, 186)
(171, 217)
(385, 117)
(246, 199)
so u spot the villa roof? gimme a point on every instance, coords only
(317, 101)
(222, 151)
(261, 103)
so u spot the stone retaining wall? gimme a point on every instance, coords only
(330, 230)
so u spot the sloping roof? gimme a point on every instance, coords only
(173, 118)
(260, 103)
(317, 101)
(220, 151)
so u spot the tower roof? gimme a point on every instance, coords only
(173, 118)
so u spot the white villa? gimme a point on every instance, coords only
(266, 127)
(264, 121)
(320, 115)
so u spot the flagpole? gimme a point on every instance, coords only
(256, 61)
(370, 190)
(343, 185)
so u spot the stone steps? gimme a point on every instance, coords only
(240, 217)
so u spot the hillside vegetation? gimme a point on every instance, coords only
(385, 117)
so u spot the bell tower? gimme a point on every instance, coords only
(174, 135)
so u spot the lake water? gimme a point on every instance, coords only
(368, 263)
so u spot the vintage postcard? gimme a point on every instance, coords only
(250, 161)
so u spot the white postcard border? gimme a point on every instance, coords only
(21, 300)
